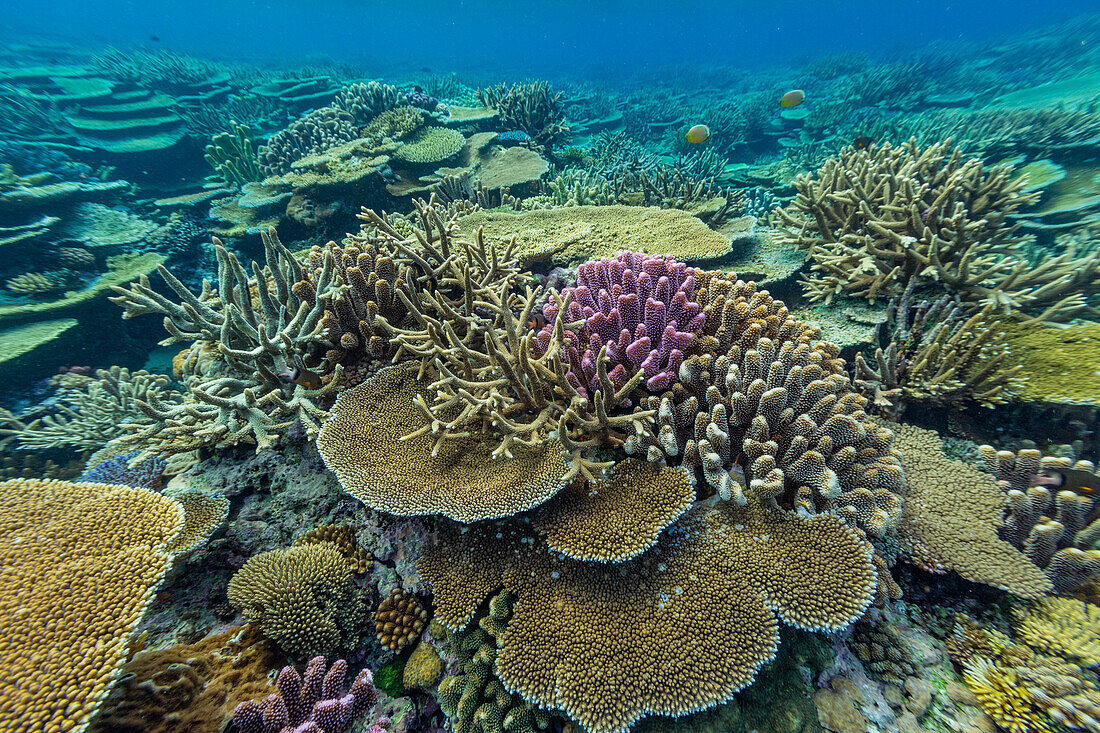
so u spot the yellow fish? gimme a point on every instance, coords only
(698, 134)
(792, 98)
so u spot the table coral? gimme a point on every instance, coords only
(571, 617)
(101, 548)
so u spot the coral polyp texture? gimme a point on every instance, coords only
(399, 620)
(639, 307)
(364, 445)
(311, 702)
(570, 616)
(103, 549)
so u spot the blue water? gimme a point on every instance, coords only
(528, 37)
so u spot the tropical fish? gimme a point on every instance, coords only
(698, 134)
(862, 142)
(513, 136)
(300, 375)
(1081, 481)
(792, 98)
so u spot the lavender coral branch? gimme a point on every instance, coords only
(311, 702)
(636, 305)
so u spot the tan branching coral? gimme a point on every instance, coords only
(102, 549)
(1062, 626)
(399, 620)
(88, 411)
(301, 597)
(773, 411)
(616, 518)
(365, 445)
(873, 219)
(260, 329)
(473, 698)
(343, 536)
(653, 619)
(951, 515)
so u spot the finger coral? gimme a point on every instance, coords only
(312, 702)
(399, 620)
(301, 597)
(101, 548)
(570, 617)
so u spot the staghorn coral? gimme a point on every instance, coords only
(532, 107)
(311, 702)
(259, 328)
(473, 698)
(570, 617)
(770, 413)
(313, 133)
(301, 597)
(875, 218)
(88, 411)
(940, 351)
(101, 548)
(365, 446)
(399, 620)
(636, 306)
(1063, 627)
(617, 518)
(343, 537)
(1050, 525)
(951, 515)
(189, 687)
(365, 102)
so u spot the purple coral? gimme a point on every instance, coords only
(311, 703)
(146, 474)
(637, 305)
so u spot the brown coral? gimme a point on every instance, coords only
(203, 513)
(365, 446)
(343, 536)
(677, 629)
(101, 549)
(399, 620)
(951, 514)
(299, 596)
(618, 518)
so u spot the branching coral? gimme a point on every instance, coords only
(532, 107)
(773, 411)
(875, 218)
(941, 351)
(399, 620)
(1062, 626)
(311, 702)
(364, 102)
(260, 328)
(231, 156)
(315, 132)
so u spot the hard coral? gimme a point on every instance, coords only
(315, 132)
(570, 617)
(101, 548)
(311, 702)
(639, 307)
(399, 620)
(301, 597)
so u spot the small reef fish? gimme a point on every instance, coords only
(513, 136)
(1083, 482)
(792, 98)
(698, 134)
(862, 142)
(299, 375)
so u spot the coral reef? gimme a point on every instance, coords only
(313, 133)
(532, 107)
(1062, 627)
(311, 701)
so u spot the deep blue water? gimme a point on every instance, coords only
(544, 37)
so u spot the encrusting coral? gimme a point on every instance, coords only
(570, 616)
(312, 702)
(399, 620)
(301, 597)
(872, 219)
(101, 548)
(951, 516)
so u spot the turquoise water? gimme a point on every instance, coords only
(572, 367)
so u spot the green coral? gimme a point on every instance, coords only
(1056, 364)
(432, 145)
(390, 678)
(232, 157)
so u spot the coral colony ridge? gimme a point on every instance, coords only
(695, 403)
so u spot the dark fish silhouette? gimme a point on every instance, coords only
(154, 38)
(862, 142)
